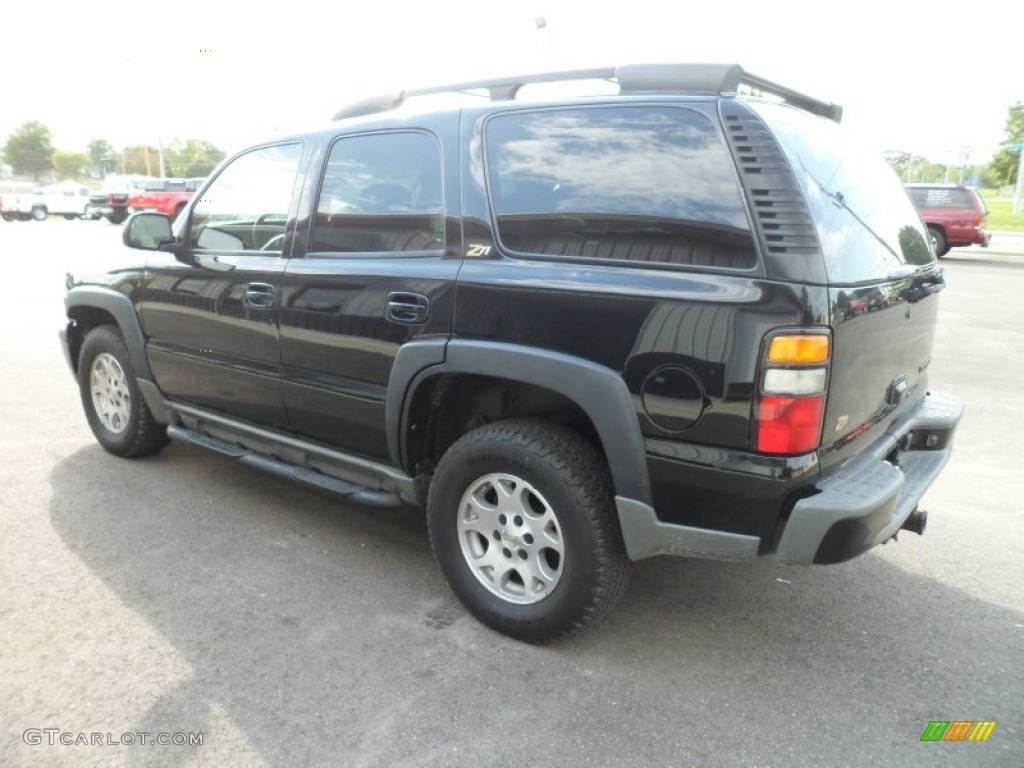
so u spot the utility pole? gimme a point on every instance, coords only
(1019, 191)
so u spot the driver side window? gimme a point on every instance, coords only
(246, 207)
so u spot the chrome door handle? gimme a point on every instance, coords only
(408, 308)
(260, 296)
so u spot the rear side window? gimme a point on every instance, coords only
(939, 197)
(636, 183)
(381, 193)
(867, 225)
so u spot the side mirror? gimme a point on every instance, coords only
(149, 231)
(146, 230)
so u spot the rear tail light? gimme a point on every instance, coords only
(790, 404)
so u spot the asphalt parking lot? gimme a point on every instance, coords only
(184, 594)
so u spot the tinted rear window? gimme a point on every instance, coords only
(867, 225)
(941, 197)
(635, 183)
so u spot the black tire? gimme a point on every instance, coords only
(117, 218)
(939, 242)
(8, 217)
(70, 217)
(137, 434)
(557, 471)
(39, 213)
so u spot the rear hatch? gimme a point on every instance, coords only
(882, 278)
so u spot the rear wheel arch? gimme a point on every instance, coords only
(446, 406)
(591, 399)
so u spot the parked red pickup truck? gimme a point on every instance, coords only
(168, 197)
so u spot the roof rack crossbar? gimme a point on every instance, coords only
(506, 87)
(723, 79)
(815, 106)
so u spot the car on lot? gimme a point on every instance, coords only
(67, 198)
(168, 196)
(954, 214)
(111, 202)
(580, 331)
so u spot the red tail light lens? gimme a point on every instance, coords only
(790, 405)
(789, 424)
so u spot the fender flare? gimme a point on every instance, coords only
(123, 311)
(598, 390)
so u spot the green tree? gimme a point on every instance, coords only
(140, 159)
(1003, 167)
(28, 150)
(70, 165)
(191, 158)
(102, 155)
(930, 172)
(898, 161)
(911, 167)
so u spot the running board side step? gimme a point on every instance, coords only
(356, 494)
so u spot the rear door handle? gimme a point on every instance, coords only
(260, 296)
(408, 308)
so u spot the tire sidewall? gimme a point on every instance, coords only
(463, 466)
(99, 341)
(941, 244)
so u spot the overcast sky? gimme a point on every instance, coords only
(925, 77)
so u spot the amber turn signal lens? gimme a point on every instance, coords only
(798, 350)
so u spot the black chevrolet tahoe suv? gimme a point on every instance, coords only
(687, 318)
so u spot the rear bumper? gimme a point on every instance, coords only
(960, 238)
(869, 498)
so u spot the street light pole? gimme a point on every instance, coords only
(541, 25)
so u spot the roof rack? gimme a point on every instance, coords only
(719, 79)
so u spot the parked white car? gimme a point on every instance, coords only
(68, 199)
